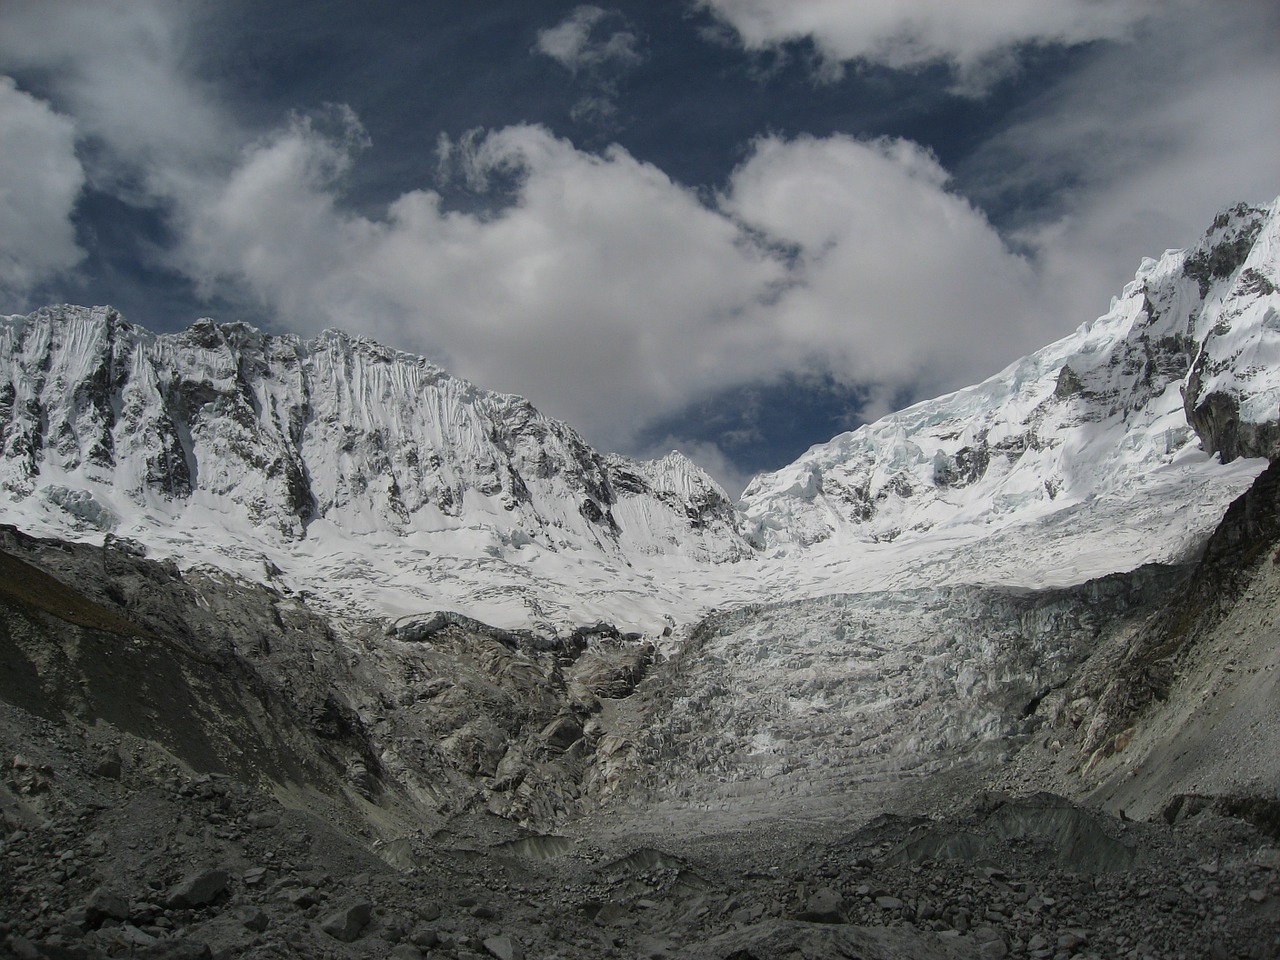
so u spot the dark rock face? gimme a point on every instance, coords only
(1216, 421)
(1215, 413)
(1069, 383)
(1249, 529)
(1128, 679)
(968, 466)
(1232, 235)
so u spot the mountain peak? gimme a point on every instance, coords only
(1185, 364)
(109, 429)
(372, 478)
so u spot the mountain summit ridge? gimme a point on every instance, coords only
(370, 477)
(1187, 358)
(292, 431)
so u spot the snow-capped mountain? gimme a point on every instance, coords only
(374, 481)
(1185, 364)
(232, 443)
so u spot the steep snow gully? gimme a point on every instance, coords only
(308, 648)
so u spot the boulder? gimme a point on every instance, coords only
(824, 906)
(347, 922)
(504, 948)
(199, 889)
(104, 904)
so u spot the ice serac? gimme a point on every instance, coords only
(271, 443)
(1185, 364)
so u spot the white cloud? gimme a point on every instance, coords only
(597, 56)
(40, 180)
(122, 69)
(611, 295)
(975, 36)
(571, 43)
(1141, 147)
(273, 224)
(899, 282)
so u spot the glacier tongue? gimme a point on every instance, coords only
(372, 480)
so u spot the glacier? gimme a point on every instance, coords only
(371, 481)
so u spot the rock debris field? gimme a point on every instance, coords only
(126, 859)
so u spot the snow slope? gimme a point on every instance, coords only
(373, 481)
(1094, 454)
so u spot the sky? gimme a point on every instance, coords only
(732, 227)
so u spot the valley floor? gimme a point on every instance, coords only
(107, 853)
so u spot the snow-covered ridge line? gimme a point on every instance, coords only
(373, 481)
(286, 432)
(1187, 359)
(234, 443)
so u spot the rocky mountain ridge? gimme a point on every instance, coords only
(1186, 360)
(372, 480)
(288, 432)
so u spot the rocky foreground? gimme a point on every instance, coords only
(195, 766)
(129, 855)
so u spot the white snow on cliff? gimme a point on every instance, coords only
(1078, 460)
(366, 477)
(373, 481)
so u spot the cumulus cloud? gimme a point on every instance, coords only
(122, 68)
(40, 180)
(976, 36)
(273, 224)
(897, 281)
